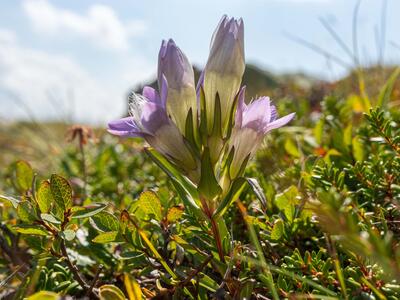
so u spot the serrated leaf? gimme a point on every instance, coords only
(148, 205)
(287, 201)
(68, 234)
(25, 212)
(175, 213)
(61, 191)
(277, 230)
(31, 230)
(106, 237)
(87, 211)
(50, 218)
(23, 175)
(132, 287)
(44, 196)
(110, 292)
(105, 221)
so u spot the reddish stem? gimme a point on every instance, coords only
(215, 231)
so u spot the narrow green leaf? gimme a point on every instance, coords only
(50, 219)
(190, 130)
(132, 287)
(269, 280)
(217, 125)
(34, 230)
(186, 190)
(203, 116)
(62, 192)
(258, 191)
(246, 289)
(236, 189)
(87, 211)
(208, 283)
(386, 91)
(24, 175)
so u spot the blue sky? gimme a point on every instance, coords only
(77, 59)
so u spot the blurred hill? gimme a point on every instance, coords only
(260, 82)
(41, 142)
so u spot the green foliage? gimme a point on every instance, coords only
(318, 218)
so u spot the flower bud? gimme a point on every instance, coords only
(224, 69)
(174, 66)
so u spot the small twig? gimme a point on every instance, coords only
(195, 271)
(12, 252)
(9, 277)
(75, 272)
(95, 280)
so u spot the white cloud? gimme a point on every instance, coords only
(52, 86)
(7, 36)
(100, 24)
(304, 1)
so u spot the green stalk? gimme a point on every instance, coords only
(256, 243)
(157, 255)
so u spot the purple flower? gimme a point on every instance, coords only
(252, 123)
(150, 121)
(174, 66)
(224, 69)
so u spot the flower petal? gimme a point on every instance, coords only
(124, 127)
(151, 94)
(154, 117)
(274, 113)
(241, 107)
(280, 122)
(163, 88)
(257, 114)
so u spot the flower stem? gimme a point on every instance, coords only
(84, 171)
(217, 236)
